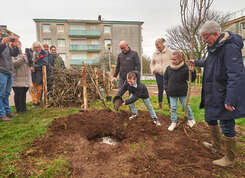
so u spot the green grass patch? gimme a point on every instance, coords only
(149, 82)
(17, 135)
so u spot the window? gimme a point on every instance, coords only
(78, 42)
(107, 29)
(79, 56)
(107, 42)
(60, 28)
(93, 27)
(46, 28)
(77, 27)
(61, 43)
(94, 42)
(47, 41)
(95, 56)
(243, 26)
(63, 56)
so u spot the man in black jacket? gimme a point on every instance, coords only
(127, 61)
(137, 90)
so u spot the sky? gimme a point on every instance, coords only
(157, 15)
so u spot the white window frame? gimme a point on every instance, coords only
(58, 44)
(60, 30)
(94, 42)
(46, 30)
(77, 27)
(107, 29)
(78, 42)
(79, 56)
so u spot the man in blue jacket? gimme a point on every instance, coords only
(7, 49)
(223, 96)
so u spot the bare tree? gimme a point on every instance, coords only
(178, 38)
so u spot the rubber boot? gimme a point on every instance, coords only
(215, 146)
(230, 151)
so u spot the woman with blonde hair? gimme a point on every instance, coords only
(160, 61)
(39, 58)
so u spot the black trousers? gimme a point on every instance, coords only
(20, 98)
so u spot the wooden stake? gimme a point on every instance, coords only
(85, 94)
(96, 76)
(104, 82)
(45, 90)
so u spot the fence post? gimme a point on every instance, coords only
(45, 90)
(85, 94)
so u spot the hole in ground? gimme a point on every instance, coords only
(109, 139)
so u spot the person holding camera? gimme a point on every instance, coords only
(22, 79)
(8, 48)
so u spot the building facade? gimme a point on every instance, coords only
(236, 25)
(87, 41)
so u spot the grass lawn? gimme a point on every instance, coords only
(18, 135)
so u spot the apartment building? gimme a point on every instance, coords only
(237, 25)
(86, 41)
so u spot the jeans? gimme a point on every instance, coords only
(5, 88)
(160, 86)
(120, 82)
(227, 126)
(147, 104)
(174, 104)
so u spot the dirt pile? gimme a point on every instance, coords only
(143, 150)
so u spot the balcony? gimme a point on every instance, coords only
(84, 61)
(84, 33)
(85, 47)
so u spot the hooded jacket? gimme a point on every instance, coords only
(139, 92)
(223, 79)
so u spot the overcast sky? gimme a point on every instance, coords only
(157, 15)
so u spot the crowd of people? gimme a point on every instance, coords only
(23, 72)
(223, 83)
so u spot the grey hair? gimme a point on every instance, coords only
(35, 44)
(210, 27)
(160, 40)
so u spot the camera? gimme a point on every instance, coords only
(12, 40)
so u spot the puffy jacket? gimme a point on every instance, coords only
(223, 79)
(139, 92)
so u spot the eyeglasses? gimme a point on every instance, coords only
(205, 37)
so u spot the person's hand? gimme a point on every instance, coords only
(32, 69)
(114, 79)
(154, 72)
(5, 40)
(123, 104)
(230, 108)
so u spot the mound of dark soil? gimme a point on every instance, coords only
(143, 150)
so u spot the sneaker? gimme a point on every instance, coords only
(156, 121)
(132, 117)
(5, 119)
(191, 123)
(172, 126)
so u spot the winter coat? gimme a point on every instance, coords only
(6, 65)
(41, 60)
(161, 60)
(223, 79)
(127, 63)
(175, 80)
(22, 72)
(139, 92)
